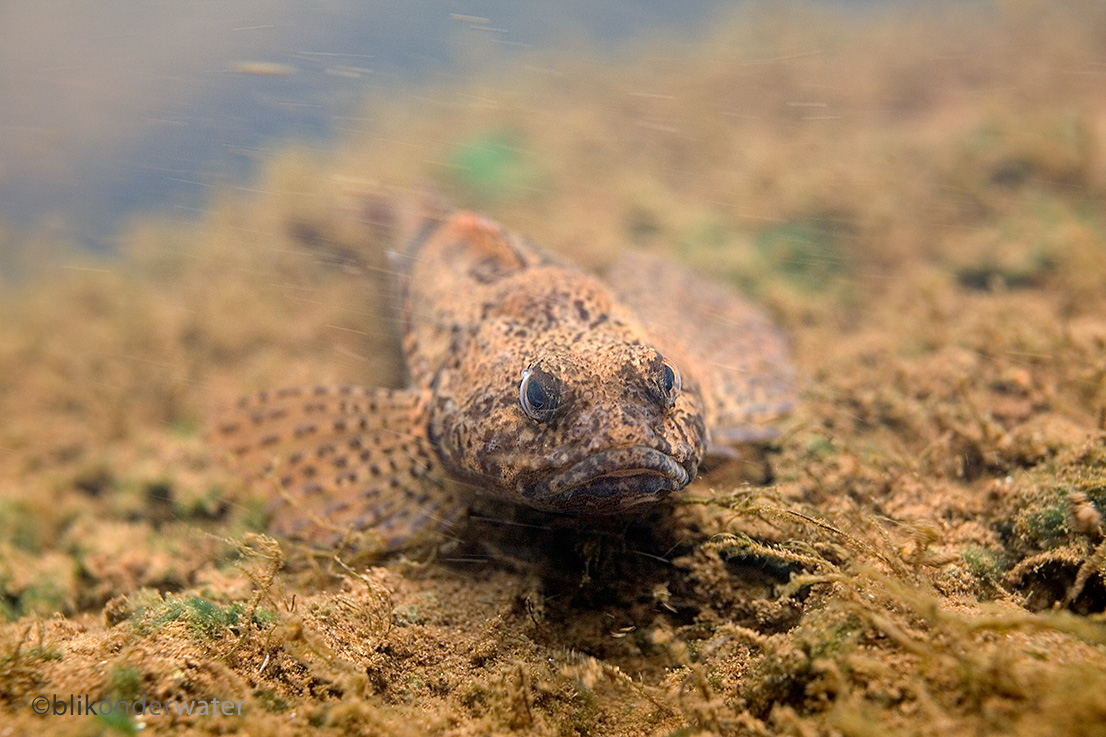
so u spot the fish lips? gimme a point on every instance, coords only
(612, 481)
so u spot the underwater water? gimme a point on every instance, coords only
(114, 108)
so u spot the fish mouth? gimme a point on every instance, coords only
(612, 481)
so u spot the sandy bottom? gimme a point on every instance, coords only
(921, 552)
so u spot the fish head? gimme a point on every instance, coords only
(587, 425)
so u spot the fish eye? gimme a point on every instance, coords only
(539, 393)
(670, 383)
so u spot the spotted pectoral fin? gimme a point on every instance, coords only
(349, 465)
(727, 344)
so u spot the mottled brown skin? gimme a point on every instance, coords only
(531, 383)
(615, 440)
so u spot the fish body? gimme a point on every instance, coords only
(532, 382)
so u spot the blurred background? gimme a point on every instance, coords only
(110, 108)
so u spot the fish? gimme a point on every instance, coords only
(531, 382)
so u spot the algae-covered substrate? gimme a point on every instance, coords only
(918, 201)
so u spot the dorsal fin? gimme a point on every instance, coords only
(447, 261)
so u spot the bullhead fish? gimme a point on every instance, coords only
(531, 382)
